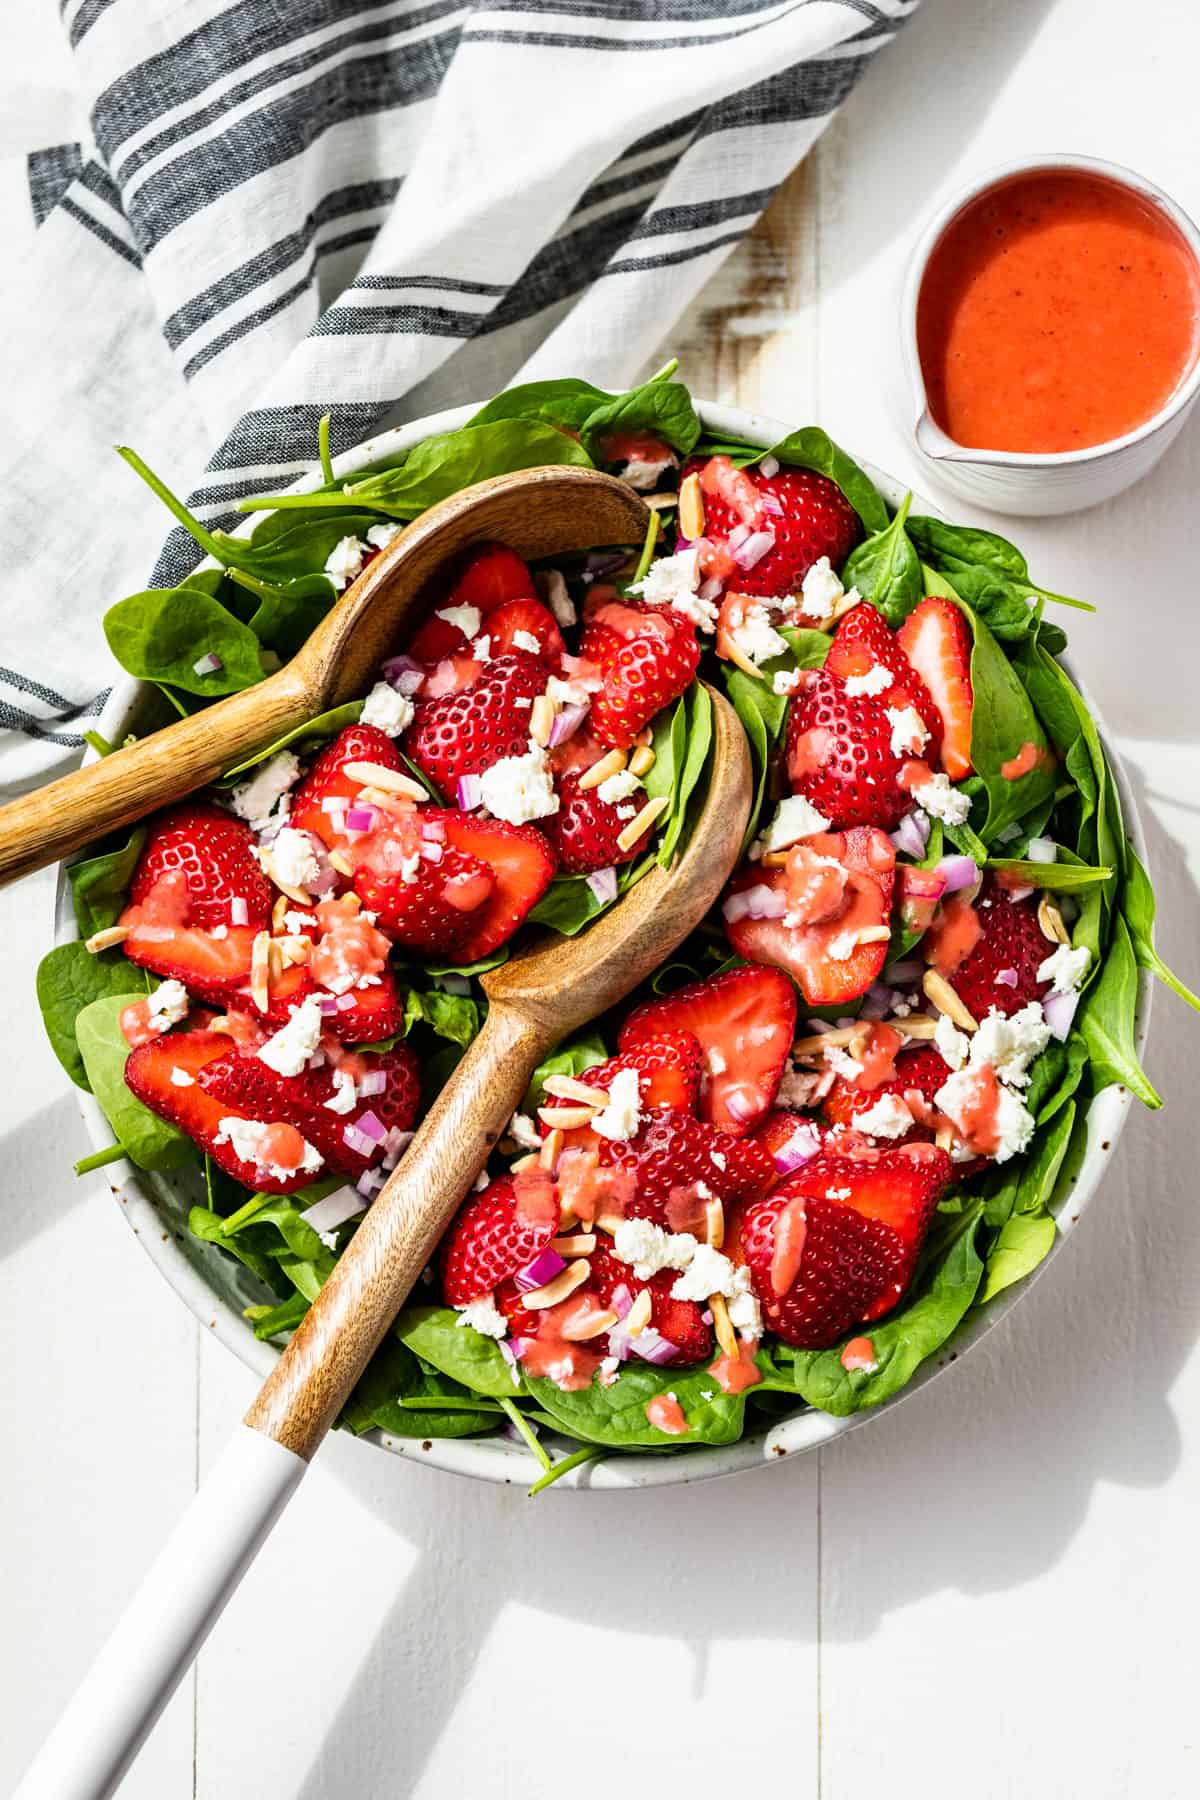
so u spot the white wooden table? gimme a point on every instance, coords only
(992, 1589)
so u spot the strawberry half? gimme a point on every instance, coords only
(491, 575)
(326, 780)
(675, 1162)
(807, 513)
(919, 1071)
(681, 1322)
(837, 1242)
(433, 911)
(834, 898)
(668, 1068)
(585, 829)
(465, 733)
(644, 661)
(745, 1021)
(160, 939)
(492, 1235)
(213, 851)
(363, 1016)
(863, 642)
(1006, 937)
(937, 642)
(522, 864)
(526, 619)
(840, 756)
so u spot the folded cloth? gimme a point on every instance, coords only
(371, 208)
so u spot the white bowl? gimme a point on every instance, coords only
(216, 1289)
(1007, 481)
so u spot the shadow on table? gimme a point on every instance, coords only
(978, 1484)
(40, 1185)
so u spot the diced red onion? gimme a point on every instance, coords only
(434, 829)
(345, 1002)
(207, 664)
(618, 1343)
(756, 546)
(369, 1182)
(921, 884)
(603, 883)
(740, 1106)
(322, 883)
(769, 466)
(361, 1142)
(706, 1317)
(372, 1125)
(621, 1300)
(912, 834)
(431, 851)
(505, 1347)
(877, 1003)
(396, 1142)
(566, 724)
(544, 1267)
(712, 589)
(958, 872)
(1041, 850)
(800, 1148)
(327, 1214)
(738, 536)
(239, 913)
(757, 902)
(817, 1026)
(1059, 1013)
(361, 818)
(373, 1082)
(652, 1347)
(403, 673)
(1007, 978)
(772, 504)
(327, 1003)
(469, 793)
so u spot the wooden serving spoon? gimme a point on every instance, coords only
(544, 992)
(536, 512)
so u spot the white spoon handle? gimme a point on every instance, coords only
(166, 1622)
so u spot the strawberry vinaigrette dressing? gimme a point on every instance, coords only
(563, 1351)
(137, 1026)
(734, 1374)
(859, 1353)
(1058, 310)
(953, 935)
(1028, 757)
(665, 1414)
(791, 1229)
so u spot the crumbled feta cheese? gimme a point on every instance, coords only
(756, 637)
(673, 581)
(525, 640)
(649, 1248)
(842, 945)
(843, 1193)
(719, 1159)
(181, 1078)
(942, 801)
(524, 1132)
(553, 584)
(289, 1050)
(622, 1116)
(468, 619)
(1065, 968)
(1010, 1044)
(820, 591)
(745, 1314)
(387, 710)
(645, 473)
(785, 682)
(255, 800)
(297, 922)
(481, 649)
(909, 736)
(842, 1063)
(380, 536)
(345, 1093)
(708, 1272)
(619, 787)
(519, 788)
(344, 561)
(716, 1062)
(245, 1139)
(797, 1088)
(168, 1005)
(795, 819)
(293, 858)
(958, 1096)
(876, 681)
(568, 693)
(484, 1315)
(950, 1043)
(889, 1117)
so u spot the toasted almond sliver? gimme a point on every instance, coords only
(565, 1087)
(841, 1034)
(1053, 925)
(390, 780)
(294, 949)
(297, 894)
(541, 719)
(567, 1218)
(549, 1152)
(859, 1041)
(666, 501)
(581, 1244)
(638, 827)
(714, 1223)
(612, 764)
(591, 1327)
(723, 1325)
(938, 989)
(260, 971)
(691, 507)
(341, 863)
(944, 1137)
(638, 1316)
(277, 911)
(566, 1118)
(743, 662)
(608, 1222)
(840, 609)
(525, 1162)
(874, 934)
(106, 939)
(920, 1025)
(642, 760)
(573, 1276)
(274, 960)
(775, 859)
(644, 738)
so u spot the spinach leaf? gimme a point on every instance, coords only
(453, 1016)
(963, 553)
(162, 633)
(434, 1334)
(1023, 1242)
(1028, 1183)
(886, 570)
(1107, 1016)
(271, 1238)
(304, 738)
(747, 699)
(569, 903)
(663, 408)
(1003, 722)
(100, 883)
(905, 1338)
(1055, 1076)
(146, 1139)
(571, 1058)
(442, 465)
(567, 404)
(690, 761)
(811, 448)
(1056, 877)
(69, 978)
(616, 1415)
(1137, 905)
(395, 1374)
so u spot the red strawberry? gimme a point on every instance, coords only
(530, 619)
(937, 643)
(434, 911)
(213, 850)
(840, 756)
(919, 1071)
(644, 661)
(1009, 937)
(211, 967)
(834, 888)
(668, 1071)
(777, 1132)
(808, 514)
(492, 1235)
(585, 829)
(837, 1242)
(674, 1156)
(681, 1322)
(863, 642)
(522, 864)
(745, 1021)
(465, 733)
(372, 1013)
(437, 639)
(247, 1085)
(148, 1074)
(326, 780)
(491, 575)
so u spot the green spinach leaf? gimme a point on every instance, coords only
(161, 634)
(1137, 905)
(1024, 1240)
(146, 1139)
(1107, 1017)
(886, 570)
(69, 978)
(434, 1334)
(100, 883)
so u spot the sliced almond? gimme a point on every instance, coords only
(612, 764)
(1053, 925)
(591, 1327)
(938, 989)
(567, 1218)
(573, 1276)
(847, 603)
(341, 863)
(638, 1316)
(638, 827)
(565, 1087)
(370, 774)
(541, 719)
(566, 1118)
(714, 1223)
(549, 1152)
(581, 1244)
(608, 1222)
(106, 939)
(274, 960)
(691, 507)
(775, 859)
(299, 895)
(294, 950)
(920, 1025)
(735, 654)
(873, 934)
(260, 971)
(944, 1138)
(642, 760)
(842, 1034)
(723, 1325)
(525, 1162)
(277, 915)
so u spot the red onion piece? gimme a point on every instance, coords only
(403, 673)
(345, 1002)
(652, 1347)
(358, 1141)
(434, 829)
(621, 1300)
(800, 1148)
(603, 883)
(712, 589)
(566, 724)
(544, 1267)
(372, 1125)
(369, 1182)
(958, 872)
(877, 1003)
(1059, 1013)
(469, 793)
(327, 1003)
(396, 1142)
(758, 902)
(738, 536)
(506, 1347)
(361, 818)
(1007, 978)
(904, 974)
(327, 879)
(756, 546)
(741, 1106)
(431, 851)
(373, 1082)
(327, 1214)
(208, 664)
(912, 834)
(772, 504)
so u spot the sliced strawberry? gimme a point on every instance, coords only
(998, 935)
(830, 932)
(863, 642)
(585, 829)
(668, 1070)
(644, 661)
(782, 1130)
(523, 866)
(327, 780)
(433, 910)
(465, 733)
(452, 675)
(209, 963)
(937, 642)
(491, 1236)
(513, 626)
(491, 575)
(363, 1016)
(439, 638)
(807, 514)
(681, 1322)
(840, 756)
(214, 852)
(837, 1242)
(919, 1071)
(745, 1021)
(675, 1163)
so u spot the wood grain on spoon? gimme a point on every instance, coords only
(536, 512)
(540, 996)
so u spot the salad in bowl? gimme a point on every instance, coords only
(813, 1149)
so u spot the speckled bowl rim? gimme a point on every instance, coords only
(180, 1260)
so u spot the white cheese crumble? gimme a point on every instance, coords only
(168, 1005)
(484, 1316)
(950, 1043)
(481, 649)
(645, 473)
(289, 1050)
(345, 1093)
(842, 945)
(821, 590)
(942, 801)
(795, 819)
(756, 637)
(344, 561)
(649, 1248)
(673, 581)
(1065, 968)
(181, 1078)
(297, 922)
(387, 710)
(709, 1272)
(1014, 1125)
(467, 618)
(888, 1118)
(785, 682)
(519, 788)
(567, 693)
(245, 1136)
(525, 640)
(380, 536)
(1010, 1044)
(621, 786)
(622, 1116)
(554, 590)
(524, 1132)
(745, 1314)
(909, 736)
(876, 681)
(255, 800)
(293, 858)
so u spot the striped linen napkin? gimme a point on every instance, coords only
(372, 208)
